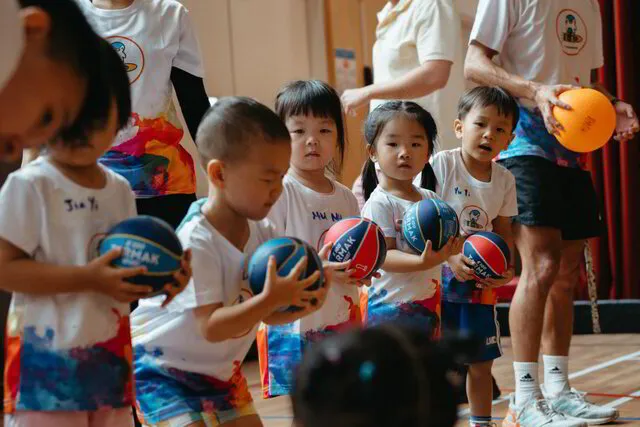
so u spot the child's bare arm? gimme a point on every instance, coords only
(219, 322)
(20, 273)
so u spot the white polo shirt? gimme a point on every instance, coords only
(412, 33)
(11, 39)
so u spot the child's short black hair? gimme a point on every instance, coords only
(382, 376)
(316, 98)
(73, 41)
(115, 86)
(485, 96)
(226, 127)
(375, 123)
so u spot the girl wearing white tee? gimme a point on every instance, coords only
(399, 136)
(310, 204)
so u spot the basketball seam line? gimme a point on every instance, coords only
(362, 242)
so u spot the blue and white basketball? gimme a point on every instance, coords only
(149, 242)
(429, 219)
(287, 251)
(490, 253)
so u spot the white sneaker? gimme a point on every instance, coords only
(573, 404)
(536, 413)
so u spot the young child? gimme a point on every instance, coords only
(68, 345)
(483, 194)
(52, 75)
(400, 138)
(354, 380)
(310, 204)
(188, 357)
(158, 45)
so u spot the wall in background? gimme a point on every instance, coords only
(252, 47)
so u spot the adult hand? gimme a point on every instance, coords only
(353, 99)
(546, 97)
(626, 122)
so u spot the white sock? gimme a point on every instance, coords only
(527, 384)
(556, 374)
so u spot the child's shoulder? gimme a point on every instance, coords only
(427, 194)
(117, 180)
(501, 176)
(446, 155)
(164, 8)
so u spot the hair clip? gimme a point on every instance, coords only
(333, 355)
(367, 369)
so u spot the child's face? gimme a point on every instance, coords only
(88, 155)
(252, 184)
(402, 149)
(313, 141)
(43, 97)
(484, 132)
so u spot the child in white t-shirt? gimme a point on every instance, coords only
(483, 194)
(400, 138)
(310, 204)
(188, 356)
(68, 344)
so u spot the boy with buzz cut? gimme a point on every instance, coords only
(187, 357)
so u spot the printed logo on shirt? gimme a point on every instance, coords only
(572, 31)
(473, 219)
(131, 54)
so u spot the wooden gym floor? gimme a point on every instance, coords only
(607, 367)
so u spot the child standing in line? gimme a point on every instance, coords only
(483, 194)
(188, 356)
(310, 204)
(400, 137)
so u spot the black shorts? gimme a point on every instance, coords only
(171, 208)
(554, 196)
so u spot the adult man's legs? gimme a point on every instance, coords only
(556, 340)
(558, 318)
(540, 251)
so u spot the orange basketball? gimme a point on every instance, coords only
(590, 124)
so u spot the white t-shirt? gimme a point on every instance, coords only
(306, 214)
(65, 351)
(11, 39)
(151, 36)
(477, 203)
(552, 42)
(412, 33)
(171, 337)
(393, 293)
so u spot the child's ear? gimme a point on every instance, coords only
(457, 128)
(215, 172)
(36, 22)
(371, 151)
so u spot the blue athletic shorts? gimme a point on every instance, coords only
(478, 320)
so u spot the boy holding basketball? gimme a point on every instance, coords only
(187, 357)
(68, 345)
(483, 194)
